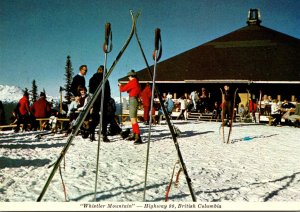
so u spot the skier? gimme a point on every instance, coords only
(134, 90)
(79, 80)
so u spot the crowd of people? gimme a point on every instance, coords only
(228, 108)
(138, 98)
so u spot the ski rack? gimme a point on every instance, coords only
(80, 119)
(171, 128)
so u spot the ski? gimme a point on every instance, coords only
(222, 116)
(259, 106)
(40, 135)
(171, 128)
(232, 115)
(80, 119)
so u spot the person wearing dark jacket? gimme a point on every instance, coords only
(79, 80)
(94, 82)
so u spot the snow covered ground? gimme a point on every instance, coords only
(260, 165)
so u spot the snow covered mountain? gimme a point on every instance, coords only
(10, 93)
(15, 93)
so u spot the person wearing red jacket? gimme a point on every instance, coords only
(146, 99)
(24, 112)
(41, 108)
(134, 90)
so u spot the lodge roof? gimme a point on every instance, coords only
(252, 53)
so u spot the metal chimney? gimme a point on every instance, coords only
(254, 17)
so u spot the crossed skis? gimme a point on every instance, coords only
(223, 114)
(80, 119)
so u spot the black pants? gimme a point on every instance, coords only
(23, 119)
(96, 120)
(277, 118)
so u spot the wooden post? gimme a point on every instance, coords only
(174, 96)
(279, 97)
(293, 98)
(60, 104)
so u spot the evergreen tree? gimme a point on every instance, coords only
(69, 78)
(34, 91)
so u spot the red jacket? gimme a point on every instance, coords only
(146, 95)
(132, 88)
(252, 107)
(41, 108)
(24, 105)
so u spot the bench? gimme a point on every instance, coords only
(44, 121)
(7, 126)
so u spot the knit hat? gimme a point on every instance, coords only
(131, 73)
(42, 94)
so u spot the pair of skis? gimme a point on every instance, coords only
(232, 116)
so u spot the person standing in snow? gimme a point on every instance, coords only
(183, 108)
(134, 90)
(146, 99)
(94, 82)
(24, 112)
(276, 112)
(79, 80)
(195, 97)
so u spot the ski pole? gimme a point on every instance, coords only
(107, 42)
(156, 58)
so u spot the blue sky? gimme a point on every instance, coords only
(37, 35)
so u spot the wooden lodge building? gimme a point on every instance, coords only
(251, 58)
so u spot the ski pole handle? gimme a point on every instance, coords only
(157, 38)
(157, 45)
(107, 32)
(107, 38)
